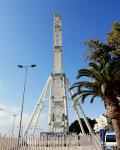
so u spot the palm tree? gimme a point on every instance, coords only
(105, 83)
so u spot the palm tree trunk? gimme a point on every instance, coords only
(113, 110)
(116, 126)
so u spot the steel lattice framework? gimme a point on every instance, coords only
(58, 85)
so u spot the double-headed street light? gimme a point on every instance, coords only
(26, 69)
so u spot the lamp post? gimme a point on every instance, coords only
(13, 124)
(26, 69)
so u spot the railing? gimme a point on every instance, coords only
(48, 142)
(96, 140)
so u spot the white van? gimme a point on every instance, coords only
(110, 141)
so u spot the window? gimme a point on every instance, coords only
(110, 138)
(57, 38)
(57, 22)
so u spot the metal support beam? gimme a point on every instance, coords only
(38, 105)
(82, 112)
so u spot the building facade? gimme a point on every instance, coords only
(101, 122)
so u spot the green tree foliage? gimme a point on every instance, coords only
(105, 52)
(104, 72)
(75, 127)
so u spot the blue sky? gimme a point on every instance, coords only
(26, 37)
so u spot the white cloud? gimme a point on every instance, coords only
(7, 118)
(14, 109)
(6, 122)
(2, 105)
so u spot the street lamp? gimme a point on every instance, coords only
(26, 69)
(13, 124)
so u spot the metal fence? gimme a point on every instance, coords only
(50, 142)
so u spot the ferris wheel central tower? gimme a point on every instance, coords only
(57, 85)
(58, 121)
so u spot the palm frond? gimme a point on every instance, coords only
(78, 84)
(86, 94)
(91, 74)
(88, 86)
(77, 96)
(95, 66)
(84, 91)
(115, 67)
(106, 72)
(83, 84)
(73, 96)
(83, 98)
(82, 95)
(92, 99)
(97, 70)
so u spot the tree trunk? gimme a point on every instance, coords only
(116, 125)
(113, 110)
